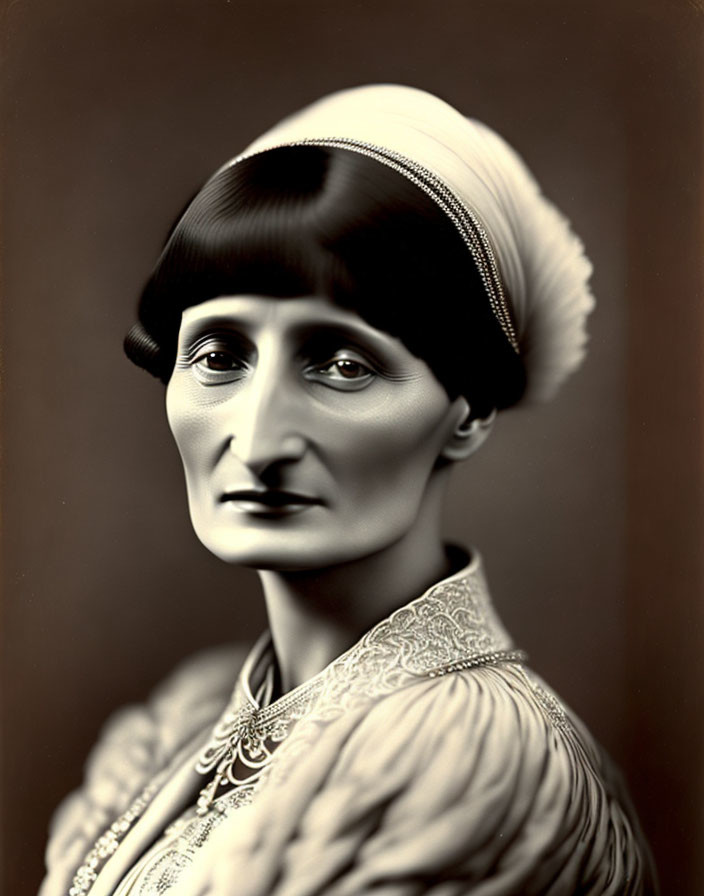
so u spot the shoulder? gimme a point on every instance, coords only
(140, 738)
(478, 774)
(135, 742)
(478, 718)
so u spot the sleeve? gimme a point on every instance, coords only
(473, 783)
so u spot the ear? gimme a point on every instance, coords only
(468, 434)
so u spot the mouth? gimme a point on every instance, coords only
(270, 502)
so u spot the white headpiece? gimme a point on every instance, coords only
(533, 266)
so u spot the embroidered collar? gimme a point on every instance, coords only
(451, 626)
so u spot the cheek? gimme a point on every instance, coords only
(191, 430)
(393, 450)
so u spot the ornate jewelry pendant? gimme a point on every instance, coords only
(238, 752)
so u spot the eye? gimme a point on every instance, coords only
(342, 373)
(216, 364)
(346, 368)
(218, 361)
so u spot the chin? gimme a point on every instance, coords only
(271, 550)
(283, 550)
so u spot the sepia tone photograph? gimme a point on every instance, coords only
(352, 419)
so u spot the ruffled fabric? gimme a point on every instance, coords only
(475, 782)
(135, 744)
(541, 262)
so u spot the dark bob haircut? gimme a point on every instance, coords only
(328, 221)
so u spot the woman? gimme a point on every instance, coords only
(338, 315)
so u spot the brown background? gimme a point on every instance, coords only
(589, 511)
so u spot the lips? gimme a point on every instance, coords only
(268, 501)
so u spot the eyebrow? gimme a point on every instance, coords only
(324, 332)
(190, 335)
(303, 330)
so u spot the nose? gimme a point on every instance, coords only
(264, 423)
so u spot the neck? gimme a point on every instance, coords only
(315, 615)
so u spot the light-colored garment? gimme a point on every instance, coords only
(426, 759)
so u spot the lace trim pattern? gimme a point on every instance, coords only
(188, 836)
(107, 843)
(452, 623)
(452, 626)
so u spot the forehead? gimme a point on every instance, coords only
(303, 314)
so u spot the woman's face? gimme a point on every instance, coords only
(308, 437)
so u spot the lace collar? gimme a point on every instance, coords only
(451, 626)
